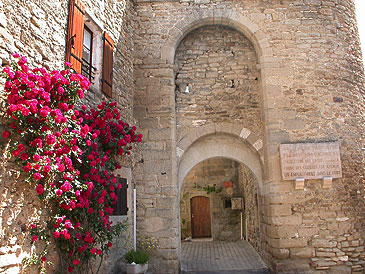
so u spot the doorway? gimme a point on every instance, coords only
(200, 217)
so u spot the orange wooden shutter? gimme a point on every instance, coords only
(75, 34)
(108, 65)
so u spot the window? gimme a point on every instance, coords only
(86, 66)
(121, 207)
(89, 49)
(227, 203)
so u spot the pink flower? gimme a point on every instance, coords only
(35, 238)
(25, 112)
(93, 250)
(36, 158)
(37, 176)
(21, 147)
(27, 168)
(66, 187)
(56, 234)
(43, 259)
(61, 167)
(44, 112)
(66, 236)
(70, 269)
(76, 262)
(68, 224)
(24, 156)
(50, 139)
(40, 189)
(6, 134)
(46, 169)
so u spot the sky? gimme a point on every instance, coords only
(360, 9)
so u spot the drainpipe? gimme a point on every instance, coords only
(134, 220)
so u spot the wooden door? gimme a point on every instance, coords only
(200, 217)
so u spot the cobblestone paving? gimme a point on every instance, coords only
(221, 257)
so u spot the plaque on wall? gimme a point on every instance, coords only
(237, 203)
(310, 160)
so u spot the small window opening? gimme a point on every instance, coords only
(227, 203)
(121, 206)
(87, 68)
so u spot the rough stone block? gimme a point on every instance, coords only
(305, 252)
(278, 210)
(283, 231)
(287, 243)
(308, 231)
(295, 219)
(323, 243)
(279, 253)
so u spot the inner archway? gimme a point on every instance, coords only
(225, 193)
(220, 209)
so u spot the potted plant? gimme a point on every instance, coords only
(137, 261)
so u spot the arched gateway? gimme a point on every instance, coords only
(181, 50)
(229, 139)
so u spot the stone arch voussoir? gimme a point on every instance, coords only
(211, 16)
(253, 140)
(227, 140)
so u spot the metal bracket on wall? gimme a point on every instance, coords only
(327, 182)
(299, 183)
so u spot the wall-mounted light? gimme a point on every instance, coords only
(187, 90)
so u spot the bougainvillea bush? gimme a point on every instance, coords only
(68, 154)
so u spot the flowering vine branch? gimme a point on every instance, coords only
(69, 155)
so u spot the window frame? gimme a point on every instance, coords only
(100, 72)
(124, 211)
(124, 172)
(90, 66)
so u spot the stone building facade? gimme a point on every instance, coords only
(219, 79)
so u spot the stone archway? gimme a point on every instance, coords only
(156, 105)
(236, 141)
(223, 145)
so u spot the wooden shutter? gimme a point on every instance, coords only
(75, 34)
(107, 79)
(121, 206)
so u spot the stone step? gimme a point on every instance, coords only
(256, 271)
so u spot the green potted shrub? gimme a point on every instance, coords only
(137, 261)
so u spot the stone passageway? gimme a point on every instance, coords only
(221, 257)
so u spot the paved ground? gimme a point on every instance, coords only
(221, 257)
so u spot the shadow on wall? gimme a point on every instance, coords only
(20, 207)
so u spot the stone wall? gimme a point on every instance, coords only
(252, 214)
(219, 67)
(37, 30)
(311, 80)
